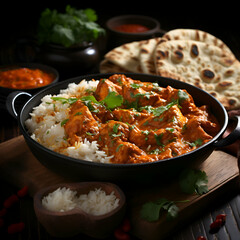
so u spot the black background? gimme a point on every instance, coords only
(19, 18)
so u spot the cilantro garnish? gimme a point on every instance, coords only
(196, 143)
(73, 27)
(182, 95)
(65, 100)
(113, 100)
(158, 139)
(64, 122)
(136, 85)
(150, 211)
(193, 181)
(159, 110)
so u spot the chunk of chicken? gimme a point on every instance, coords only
(81, 123)
(104, 87)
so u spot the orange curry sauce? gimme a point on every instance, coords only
(132, 28)
(151, 124)
(25, 78)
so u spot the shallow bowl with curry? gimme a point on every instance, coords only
(127, 28)
(29, 77)
(147, 127)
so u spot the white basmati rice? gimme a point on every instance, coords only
(96, 202)
(44, 125)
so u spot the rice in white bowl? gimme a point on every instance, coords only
(46, 124)
(96, 202)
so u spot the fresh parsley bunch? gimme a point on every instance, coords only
(70, 28)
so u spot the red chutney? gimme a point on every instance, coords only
(132, 28)
(25, 78)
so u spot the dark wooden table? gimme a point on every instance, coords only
(220, 25)
(23, 211)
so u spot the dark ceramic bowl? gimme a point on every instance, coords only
(4, 92)
(75, 59)
(116, 38)
(164, 169)
(75, 221)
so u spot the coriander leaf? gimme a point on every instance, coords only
(73, 27)
(193, 181)
(115, 127)
(62, 35)
(182, 95)
(201, 183)
(158, 139)
(91, 14)
(113, 100)
(65, 100)
(89, 98)
(64, 122)
(187, 181)
(150, 211)
(172, 211)
(160, 110)
(136, 85)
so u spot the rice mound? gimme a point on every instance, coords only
(96, 202)
(45, 124)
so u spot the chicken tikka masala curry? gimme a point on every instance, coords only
(137, 122)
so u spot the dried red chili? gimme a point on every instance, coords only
(23, 191)
(16, 228)
(121, 233)
(10, 201)
(218, 223)
(3, 212)
(201, 238)
(222, 217)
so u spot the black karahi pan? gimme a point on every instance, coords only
(164, 169)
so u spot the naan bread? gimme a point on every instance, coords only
(146, 55)
(203, 65)
(108, 67)
(126, 56)
(196, 35)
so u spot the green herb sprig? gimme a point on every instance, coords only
(150, 211)
(70, 28)
(193, 181)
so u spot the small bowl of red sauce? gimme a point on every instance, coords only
(128, 28)
(28, 77)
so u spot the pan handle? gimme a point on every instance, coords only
(232, 137)
(11, 99)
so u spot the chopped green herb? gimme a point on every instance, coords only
(170, 129)
(158, 139)
(115, 127)
(136, 85)
(89, 98)
(193, 181)
(113, 100)
(160, 110)
(73, 27)
(90, 134)
(78, 113)
(150, 211)
(196, 143)
(64, 122)
(118, 147)
(182, 96)
(65, 100)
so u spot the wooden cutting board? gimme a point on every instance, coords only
(19, 167)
